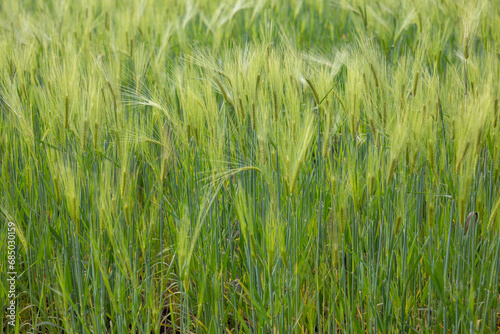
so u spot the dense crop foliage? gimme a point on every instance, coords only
(259, 166)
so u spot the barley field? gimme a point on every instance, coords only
(249, 166)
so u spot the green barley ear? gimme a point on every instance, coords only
(431, 215)
(57, 189)
(85, 134)
(343, 218)
(452, 134)
(495, 113)
(119, 150)
(112, 93)
(407, 155)
(399, 219)
(365, 83)
(96, 134)
(195, 131)
(392, 169)
(257, 83)
(375, 76)
(242, 109)
(462, 157)
(66, 113)
(494, 212)
(374, 129)
(106, 22)
(275, 101)
(431, 159)
(223, 92)
(164, 166)
(371, 184)
(314, 91)
(73, 210)
(479, 140)
(401, 99)
(384, 114)
(253, 120)
(123, 182)
(262, 152)
(188, 132)
(466, 46)
(415, 84)
(126, 211)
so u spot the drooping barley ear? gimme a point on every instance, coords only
(407, 155)
(253, 116)
(242, 109)
(114, 205)
(314, 91)
(112, 94)
(343, 218)
(432, 162)
(196, 140)
(401, 98)
(120, 119)
(494, 212)
(461, 207)
(223, 92)
(123, 182)
(462, 157)
(375, 76)
(262, 151)
(96, 134)
(66, 113)
(126, 210)
(452, 134)
(384, 114)
(415, 84)
(287, 166)
(431, 215)
(436, 109)
(293, 82)
(466, 46)
(399, 219)
(424, 114)
(371, 184)
(374, 129)
(479, 139)
(103, 95)
(257, 84)
(495, 113)
(268, 58)
(325, 145)
(188, 132)
(164, 167)
(275, 101)
(85, 134)
(118, 144)
(365, 83)
(392, 169)
(106, 22)
(74, 210)
(57, 189)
